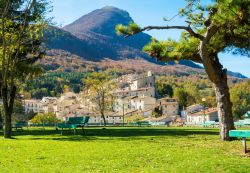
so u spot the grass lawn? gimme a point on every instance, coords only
(128, 149)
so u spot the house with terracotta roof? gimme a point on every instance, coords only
(200, 116)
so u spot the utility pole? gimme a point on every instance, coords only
(204, 115)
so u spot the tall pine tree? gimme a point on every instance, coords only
(223, 26)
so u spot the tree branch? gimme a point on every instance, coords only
(187, 28)
(206, 56)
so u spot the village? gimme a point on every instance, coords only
(135, 97)
(124, 86)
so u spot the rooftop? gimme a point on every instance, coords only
(202, 112)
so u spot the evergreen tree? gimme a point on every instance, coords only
(220, 27)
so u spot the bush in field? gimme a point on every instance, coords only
(134, 118)
(48, 118)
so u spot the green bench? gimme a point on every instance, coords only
(143, 123)
(241, 134)
(247, 122)
(74, 123)
(242, 123)
(239, 124)
(20, 125)
(210, 123)
(132, 124)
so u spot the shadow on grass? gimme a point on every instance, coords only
(111, 133)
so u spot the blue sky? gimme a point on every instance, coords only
(144, 12)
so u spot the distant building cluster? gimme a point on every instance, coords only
(135, 95)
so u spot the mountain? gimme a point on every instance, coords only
(92, 37)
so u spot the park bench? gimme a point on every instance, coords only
(247, 121)
(74, 123)
(132, 124)
(209, 124)
(157, 123)
(241, 134)
(20, 125)
(143, 123)
(239, 124)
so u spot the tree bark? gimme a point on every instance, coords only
(1, 121)
(104, 120)
(218, 76)
(8, 103)
(224, 106)
(7, 126)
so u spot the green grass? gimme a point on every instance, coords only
(122, 150)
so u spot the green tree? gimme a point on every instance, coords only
(193, 93)
(66, 88)
(240, 96)
(164, 89)
(99, 87)
(185, 98)
(220, 27)
(21, 34)
(210, 101)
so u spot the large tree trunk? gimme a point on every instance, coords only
(224, 106)
(1, 121)
(8, 104)
(218, 76)
(7, 126)
(104, 120)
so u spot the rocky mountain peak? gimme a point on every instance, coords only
(101, 21)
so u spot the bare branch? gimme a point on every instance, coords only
(188, 29)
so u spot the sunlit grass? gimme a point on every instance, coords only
(122, 150)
